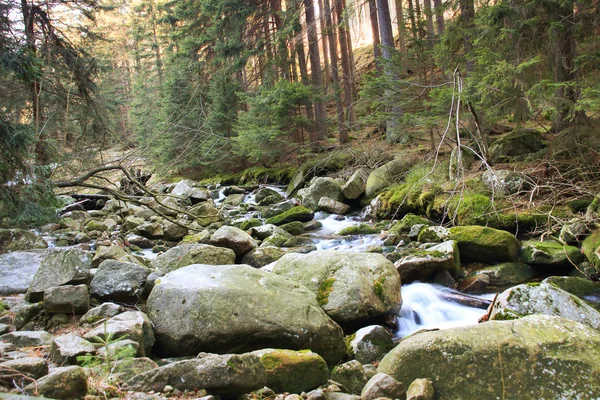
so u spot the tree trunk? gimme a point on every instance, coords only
(346, 63)
(332, 37)
(375, 31)
(413, 21)
(429, 17)
(159, 64)
(401, 28)
(324, 45)
(467, 16)
(315, 67)
(439, 17)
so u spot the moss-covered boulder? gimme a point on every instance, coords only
(320, 187)
(293, 371)
(193, 253)
(263, 255)
(591, 248)
(358, 229)
(505, 181)
(298, 213)
(95, 225)
(543, 298)
(355, 185)
(247, 223)
(353, 288)
(407, 222)
(510, 273)
(483, 244)
(236, 308)
(536, 357)
(424, 264)
(20, 239)
(386, 175)
(206, 213)
(432, 234)
(112, 252)
(59, 268)
(351, 376)
(293, 228)
(550, 253)
(233, 238)
(516, 145)
(576, 286)
(267, 196)
(61, 383)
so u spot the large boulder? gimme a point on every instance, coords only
(206, 213)
(59, 268)
(298, 213)
(356, 184)
(68, 299)
(332, 206)
(62, 383)
(228, 375)
(262, 256)
(133, 325)
(543, 298)
(233, 238)
(385, 176)
(353, 288)
(20, 239)
(235, 308)
(370, 344)
(22, 339)
(483, 244)
(551, 254)
(17, 270)
(536, 357)
(321, 187)
(194, 253)
(66, 348)
(510, 273)
(518, 143)
(423, 264)
(187, 191)
(119, 281)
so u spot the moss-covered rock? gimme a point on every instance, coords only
(298, 213)
(550, 253)
(321, 187)
(516, 145)
(192, 253)
(246, 224)
(385, 176)
(576, 286)
(510, 273)
(95, 225)
(298, 241)
(591, 248)
(293, 371)
(407, 222)
(543, 298)
(267, 196)
(433, 234)
(293, 228)
(262, 256)
(483, 244)
(369, 344)
(20, 239)
(423, 264)
(360, 229)
(206, 213)
(536, 357)
(351, 376)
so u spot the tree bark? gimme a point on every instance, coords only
(346, 62)
(315, 66)
(375, 31)
(324, 44)
(439, 17)
(401, 28)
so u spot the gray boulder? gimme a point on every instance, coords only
(356, 184)
(17, 270)
(127, 368)
(370, 344)
(21, 339)
(262, 256)
(424, 264)
(206, 213)
(505, 181)
(119, 281)
(507, 274)
(351, 376)
(20, 239)
(59, 268)
(238, 308)
(66, 300)
(173, 232)
(66, 348)
(543, 298)
(383, 385)
(62, 383)
(22, 370)
(385, 176)
(233, 238)
(539, 356)
(133, 325)
(278, 208)
(103, 311)
(227, 374)
(195, 253)
(353, 288)
(519, 143)
(320, 187)
(112, 252)
(420, 389)
(332, 206)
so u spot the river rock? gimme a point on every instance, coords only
(187, 191)
(293, 371)
(112, 252)
(550, 253)
(370, 344)
(150, 230)
(420, 389)
(423, 264)
(206, 213)
(474, 284)
(127, 368)
(591, 248)
(382, 385)
(506, 274)
(17, 270)
(58, 268)
(264, 231)
(66, 348)
(356, 184)
(543, 298)
(353, 288)
(238, 308)
(278, 208)
(298, 213)
(103, 311)
(351, 376)
(262, 256)
(20, 239)
(24, 312)
(407, 222)
(119, 281)
(21, 339)
(173, 232)
(386, 175)
(536, 357)
(30, 367)
(227, 374)
(233, 238)
(266, 193)
(432, 234)
(576, 286)
(134, 325)
(195, 253)
(332, 206)
(62, 383)
(320, 187)
(66, 299)
(95, 225)
(483, 244)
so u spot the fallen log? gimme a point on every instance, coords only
(466, 300)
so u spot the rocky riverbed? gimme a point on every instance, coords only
(208, 292)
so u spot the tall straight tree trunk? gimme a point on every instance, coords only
(387, 40)
(439, 17)
(413, 22)
(324, 44)
(346, 62)
(401, 28)
(375, 31)
(339, 107)
(267, 73)
(467, 15)
(282, 51)
(315, 67)
(429, 17)
(158, 60)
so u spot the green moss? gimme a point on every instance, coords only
(533, 284)
(348, 340)
(579, 205)
(299, 213)
(407, 222)
(379, 288)
(293, 228)
(249, 223)
(360, 229)
(325, 290)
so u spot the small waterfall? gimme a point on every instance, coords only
(425, 307)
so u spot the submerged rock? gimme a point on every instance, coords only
(237, 308)
(536, 357)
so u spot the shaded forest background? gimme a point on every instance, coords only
(210, 86)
